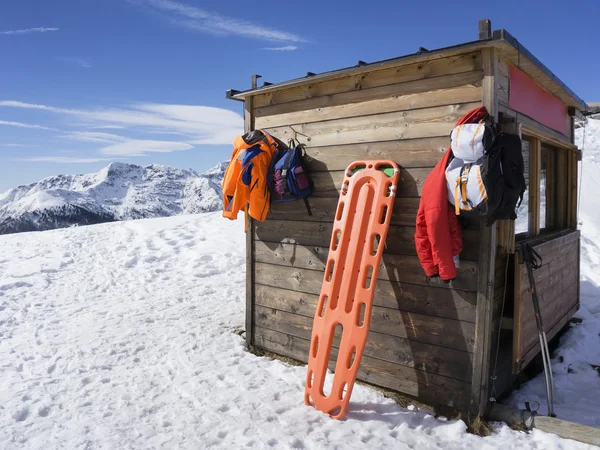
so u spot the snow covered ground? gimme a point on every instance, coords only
(121, 336)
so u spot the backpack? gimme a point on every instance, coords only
(485, 176)
(288, 178)
(502, 171)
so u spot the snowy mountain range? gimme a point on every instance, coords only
(119, 191)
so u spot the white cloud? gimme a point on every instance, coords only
(25, 125)
(19, 145)
(287, 48)
(140, 147)
(202, 123)
(201, 20)
(81, 62)
(94, 136)
(107, 127)
(29, 31)
(62, 159)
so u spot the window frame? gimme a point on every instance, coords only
(563, 214)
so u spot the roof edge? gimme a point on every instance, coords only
(504, 35)
(498, 36)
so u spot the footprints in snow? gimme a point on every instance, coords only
(22, 414)
(15, 285)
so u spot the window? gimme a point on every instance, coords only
(553, 188)
(523, 213)
(544, 206)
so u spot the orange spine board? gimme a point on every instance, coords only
(359, 232)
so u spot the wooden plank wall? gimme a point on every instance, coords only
(557, 283)
(422, 333)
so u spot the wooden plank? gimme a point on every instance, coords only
(249, 126)
(445, 333)
(517, 315)
(571, 174)
(439, 91)
(531, 353)
(400, 239)
(553, 306)
(396, 268)
(323, 210)
(428, 358)
(426, 300)
(328, 184)
(573, 189)
(419, 123)
(371, 77)
(549, 158)
(547, 244)
(485, 281)
(429, 387)
(421, 333)
(407, 153)
(535, 156)
(503, 82)
(557, 283)
(544, 273)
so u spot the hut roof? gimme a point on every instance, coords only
(509, 48)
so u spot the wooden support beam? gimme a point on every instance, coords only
(535, 159)
(562, 428)
(485, 29)
(249, 126)
(487, 258)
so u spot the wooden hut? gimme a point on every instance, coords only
(431, 340)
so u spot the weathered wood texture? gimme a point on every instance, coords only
(371, 79)
(427, 386)
(418, 123)
(408, 153)
(487, 259)
(432, 92)
(401, 268)
(503, 82)
(557, 284)
(400, 239)
(249, 126)
(390, 334)
(422, 333)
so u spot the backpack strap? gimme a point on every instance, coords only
(307, 206)
(460, 191)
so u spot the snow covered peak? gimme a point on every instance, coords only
(119, 191)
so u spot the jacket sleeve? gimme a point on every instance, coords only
(441, 243)
(424, 246)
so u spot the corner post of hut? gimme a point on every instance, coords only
(249, 126)
(487, 252)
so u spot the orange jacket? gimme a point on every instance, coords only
(245, 180)
(438, 236)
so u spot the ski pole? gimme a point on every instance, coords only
(533, 261)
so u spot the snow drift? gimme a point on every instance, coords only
(122, 336)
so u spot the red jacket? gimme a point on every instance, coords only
(438, 237)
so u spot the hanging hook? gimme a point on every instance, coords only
(296, 133)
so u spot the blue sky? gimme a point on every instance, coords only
(86, 82)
